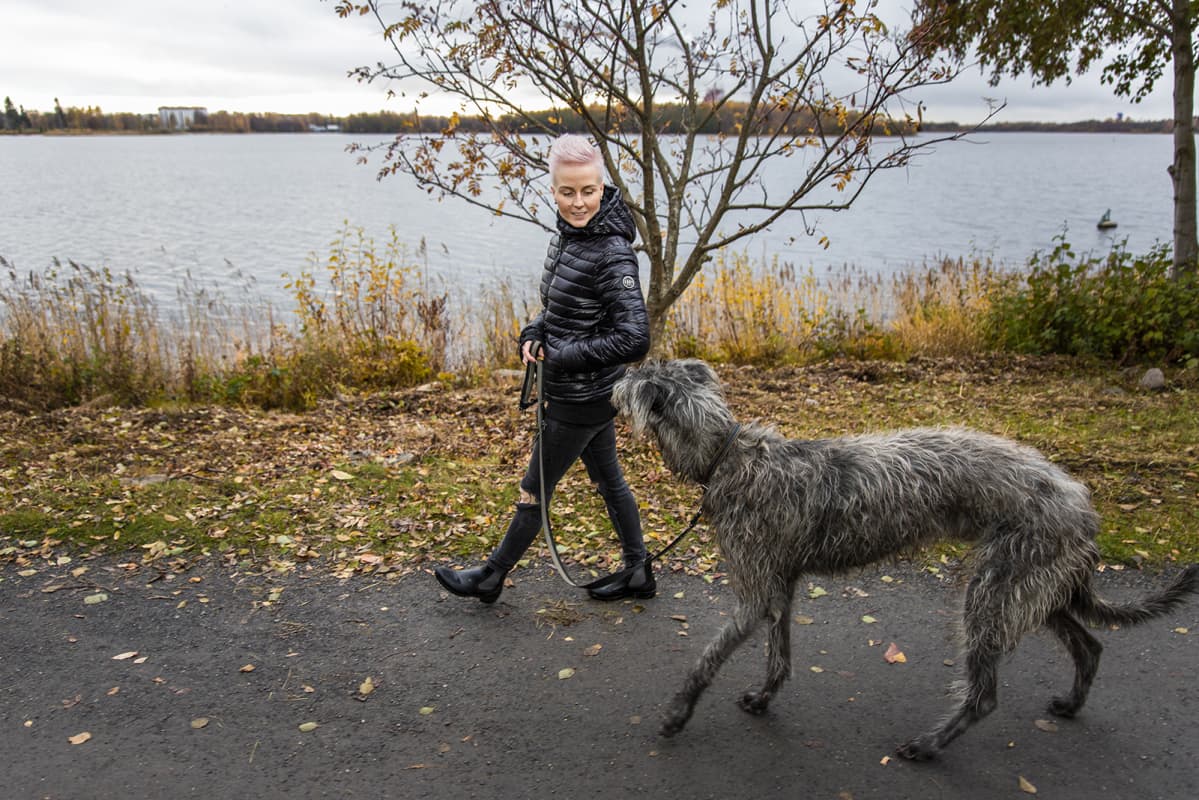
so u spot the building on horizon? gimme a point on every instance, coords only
(181, 117)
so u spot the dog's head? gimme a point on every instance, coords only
(663, 395)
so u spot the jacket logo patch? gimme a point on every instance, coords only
(628, 282)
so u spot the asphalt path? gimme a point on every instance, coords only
(549, 694)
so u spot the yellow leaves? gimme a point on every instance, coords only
(247, 668)
(199, 722)
(894, 655)
(124, 656)
(79, 738)
(308, 727)
(1025, 786)
(366, 687)
(566, 673)
(427, 710)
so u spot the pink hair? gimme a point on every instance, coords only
(573, 149)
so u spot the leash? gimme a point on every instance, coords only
(534, 378)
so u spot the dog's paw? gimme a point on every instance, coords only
(1063, 707)
(754, 702)
(919, 749)
(675, 718)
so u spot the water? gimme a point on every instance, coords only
(259, 206)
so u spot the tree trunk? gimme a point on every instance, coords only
(1182, 171)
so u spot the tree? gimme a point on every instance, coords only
(12, 117)
(644, 79)
(1050, 41)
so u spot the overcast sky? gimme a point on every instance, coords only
(292, 56)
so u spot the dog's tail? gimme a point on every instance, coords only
(1096, 610)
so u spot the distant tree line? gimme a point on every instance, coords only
(727, 120)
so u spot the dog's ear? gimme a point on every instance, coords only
(698, 371)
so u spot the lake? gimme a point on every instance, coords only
(261, 205)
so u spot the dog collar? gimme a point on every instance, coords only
(720, 454)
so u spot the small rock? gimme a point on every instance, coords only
(1153, 380)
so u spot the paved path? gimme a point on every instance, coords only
(499, 719)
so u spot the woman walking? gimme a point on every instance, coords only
(592, 323)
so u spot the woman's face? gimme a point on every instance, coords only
(578, 189)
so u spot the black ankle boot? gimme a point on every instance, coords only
(485, 582)
(640, 584)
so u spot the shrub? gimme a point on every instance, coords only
(1120, 307)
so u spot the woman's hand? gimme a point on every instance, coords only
(532, 351)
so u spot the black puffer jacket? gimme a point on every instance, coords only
(593, 320)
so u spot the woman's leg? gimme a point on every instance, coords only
(561, 444)
(599, 456)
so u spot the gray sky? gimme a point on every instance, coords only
(292, 56)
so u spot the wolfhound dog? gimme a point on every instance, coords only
(784, 508)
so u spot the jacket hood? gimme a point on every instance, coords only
(612, 219)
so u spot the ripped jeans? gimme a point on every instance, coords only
(564, 443)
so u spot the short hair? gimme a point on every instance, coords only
(574, 149)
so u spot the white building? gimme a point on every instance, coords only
(180, 117)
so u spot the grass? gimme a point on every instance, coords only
(174, 439)
(386, 483)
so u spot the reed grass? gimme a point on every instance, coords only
(368, 316)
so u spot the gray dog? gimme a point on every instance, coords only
(784, 508)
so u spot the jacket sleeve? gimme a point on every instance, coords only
(624, 337)
(534, 331)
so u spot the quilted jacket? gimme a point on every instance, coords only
(593, 318)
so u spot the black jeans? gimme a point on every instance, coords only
(564, 443)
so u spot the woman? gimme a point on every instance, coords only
(593, 322)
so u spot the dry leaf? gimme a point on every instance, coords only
(594, 650)
(341, 476)
(1027, 787)
(199, 722)
(869, 620)
(803, 619)
(894, 655)
(816, 669)
(563, 674)
(113, 691)
(140, 660)
(92, 599)
(308, 726)
(124, 656)
(366, 687)
(1183, 631)
(79, 738)
(426, 711)
(817, 591)
(1049, 726)
(247, 668)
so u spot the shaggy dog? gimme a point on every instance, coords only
(782, 509)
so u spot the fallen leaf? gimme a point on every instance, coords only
(817, 591)
(679, 617)
(247, 668)
(816, 669)
(140, 660)
(1049, 726)
(307, 689)
(367, 686)
(678, 595)
(113, 691)
(199, 722)
(594, 650)
(341, 476)
(563, 674)
(426, 711)
(79, 738)
(887, 579)
(1183, 631)
(894, 655)
(93, 599)
(124, 656)
(803, 619)
(1027, 787)
(869, 620)
(885, 760)
(308, 726)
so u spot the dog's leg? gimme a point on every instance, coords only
(745, 619)
(985, 640)
(1085, 650)
(981, 698)
(778, 654)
